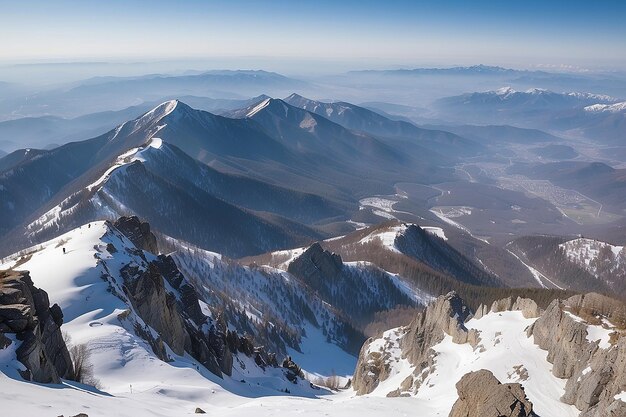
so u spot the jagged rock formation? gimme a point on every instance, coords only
(138, 232)
(594, 375)
(317, 266)
(528, 307)
(482, 395)
(446, 315)
(176, 316)
(25, 311)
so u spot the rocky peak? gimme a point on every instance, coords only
(482, 395)
(317, 266)
(446, 315)
(137, 232)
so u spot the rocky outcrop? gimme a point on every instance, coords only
(482, 395)
(25, 311)
(565, 339)
(137, 232)
(528, 307)
(446, 315)
(594, 375)
(317, 266)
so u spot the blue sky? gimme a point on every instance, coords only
(372, 33)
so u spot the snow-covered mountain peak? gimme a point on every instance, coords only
(504, 91)
(609, 108)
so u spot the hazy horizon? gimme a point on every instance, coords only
(318, 38)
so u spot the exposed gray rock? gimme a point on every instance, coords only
(156, 306)
(564, 338)
(446, 315)
(371, 368)
(594, 375)
(528, 307)
(481, 311)
(36, 325)
(504, 304)
(482, 395)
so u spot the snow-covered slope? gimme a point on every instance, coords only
(504, 349)
(597, 257)
(87, 272)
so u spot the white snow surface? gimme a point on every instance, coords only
(386, 236)
(134, 382)
(608, 108)
(585, 252)
(506, 346)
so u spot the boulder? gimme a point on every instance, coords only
(482, 395)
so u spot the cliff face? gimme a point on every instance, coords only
(25, 312)
(595, 369)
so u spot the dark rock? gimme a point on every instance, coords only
(293, 370)
(317, 266)
(42, 351)
(137, 232)
(199, 411)
(4, 341)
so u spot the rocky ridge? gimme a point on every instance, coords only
(168, 303)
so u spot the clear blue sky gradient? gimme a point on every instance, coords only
(400, 32)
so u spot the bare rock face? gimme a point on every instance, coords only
(528, 307)
(564, 338)
(595, 376)
(25, 311)
(316, 265)
(482, 395)
(371, 368)
(137, 232)
(446, 315)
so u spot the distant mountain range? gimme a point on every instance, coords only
(227, 165)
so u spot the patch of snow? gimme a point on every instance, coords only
(258, 107)
(512, 349)
(386, 236)
(437, 231)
